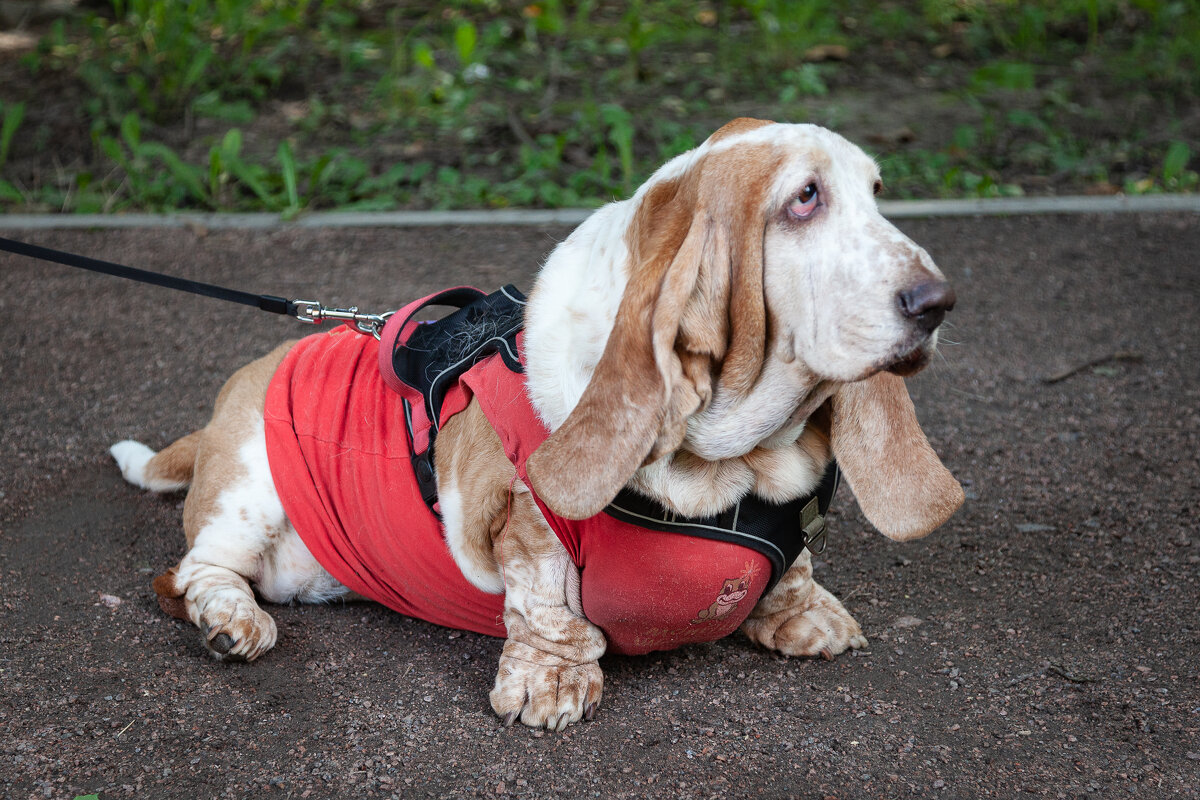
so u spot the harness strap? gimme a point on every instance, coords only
(780, 531)
(424, 360)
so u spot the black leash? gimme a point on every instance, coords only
(309, 311)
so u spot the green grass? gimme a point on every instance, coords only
(377, 104)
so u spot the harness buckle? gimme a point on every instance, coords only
(812, 525)
(312, 312)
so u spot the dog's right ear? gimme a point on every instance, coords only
(692, 310)
(611, 431)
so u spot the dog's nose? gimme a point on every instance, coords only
(926, 303)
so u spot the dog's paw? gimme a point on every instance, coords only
(819, 627)
(543, 690)
(236, 629)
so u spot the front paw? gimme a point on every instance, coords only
(819, 627)
(544, 690)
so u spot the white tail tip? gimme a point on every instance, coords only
(132, 457)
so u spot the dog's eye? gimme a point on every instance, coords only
(877, 188)
(805, 203)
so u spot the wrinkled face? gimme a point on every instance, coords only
(848, 294)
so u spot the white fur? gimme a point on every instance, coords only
(572, 309)
(290, 573)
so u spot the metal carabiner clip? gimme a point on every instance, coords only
(312, 312)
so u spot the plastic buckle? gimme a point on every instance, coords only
(812, 525)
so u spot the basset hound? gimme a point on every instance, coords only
(709, 345)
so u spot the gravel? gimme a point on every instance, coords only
(1043, 642)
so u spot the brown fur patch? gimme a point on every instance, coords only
(175, 462)
(901, 485)
(495, 508)
(471, 456)
(738, 126)
(238, 411)
(170, 595)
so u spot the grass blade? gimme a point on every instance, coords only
(14, 113)
(287, 162)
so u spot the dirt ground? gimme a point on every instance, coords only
(1044, 641)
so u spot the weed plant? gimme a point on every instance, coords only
(376, 104)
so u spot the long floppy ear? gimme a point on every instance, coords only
(635, 396)
(695, 264)
(900, 483)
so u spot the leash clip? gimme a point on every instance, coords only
(312, 312)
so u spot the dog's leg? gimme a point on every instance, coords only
(241, 541)
(233, 520)
(800, 617)
(238, 537)
(548, 675)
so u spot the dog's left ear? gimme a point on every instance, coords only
(899, 482)
(694, 300)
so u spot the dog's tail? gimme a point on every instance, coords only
(166, 471)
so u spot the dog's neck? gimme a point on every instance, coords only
(756, 442)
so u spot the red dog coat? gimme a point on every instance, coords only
(340, 452)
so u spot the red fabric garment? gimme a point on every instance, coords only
(339, 458)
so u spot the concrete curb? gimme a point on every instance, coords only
(894, 209)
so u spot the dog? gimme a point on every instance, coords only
(718, 339)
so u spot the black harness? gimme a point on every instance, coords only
(432, 358)
(780, 531)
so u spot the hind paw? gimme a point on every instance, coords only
(236, 629)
